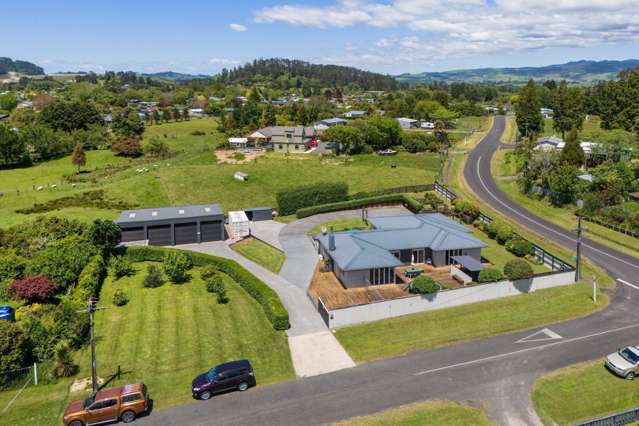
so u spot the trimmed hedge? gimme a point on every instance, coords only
(423, 284)
(490, 275)
(263, 294)
(90, 280)
(518, 269)
(289, 200)
(520, 247)
(408, 201)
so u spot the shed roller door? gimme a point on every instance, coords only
(160, 235)
(133, 234)
(211, 231)
(185, 233)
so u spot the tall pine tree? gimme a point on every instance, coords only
(568, 109)
(572, 153)
(529, 119)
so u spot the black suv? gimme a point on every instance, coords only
(228, 376)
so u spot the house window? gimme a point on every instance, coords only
(281, 146)
(297, 147)
(381, 276)
(451, 253)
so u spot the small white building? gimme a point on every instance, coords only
(408, 123)
(238, 143)
(427, 125)
(238, 224)
(547, 112)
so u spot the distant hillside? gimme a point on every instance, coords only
(581, 72)
(325, 75)
(22, 67)
(176, 76)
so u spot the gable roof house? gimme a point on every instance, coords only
(550, 143)
(408, 123)
(363, 258)
(284, 138)
(355, 114)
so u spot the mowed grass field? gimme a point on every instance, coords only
(401, 335)
(164, 337)
(193, 176)
(261, 253)
(431, 413)
(582, 392)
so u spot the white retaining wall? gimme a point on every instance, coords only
(445, 299)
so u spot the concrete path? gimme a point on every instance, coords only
(268, 231)
(318, 353)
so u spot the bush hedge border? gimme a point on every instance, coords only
(258, 290)
(410, 203)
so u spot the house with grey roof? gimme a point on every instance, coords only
(369, 257)
(293, 139)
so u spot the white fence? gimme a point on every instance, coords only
(444, 299)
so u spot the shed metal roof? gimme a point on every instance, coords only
(469, 263)
(170, 213)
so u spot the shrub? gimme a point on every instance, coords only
(14, 349)
(207, 272)
(222, 298)
(518, 269)
(120, 298)
(490, 275)
(214, 283)
(154, 277)
(408, 201)
(289, 200)
(463, 208)
(127, 147)
(121, 266)
(175, 266)
(104, 234)
(33, 289)
(90, 279)
(499, 231)
(63, 365)
(519, 247)
(424, 284)
(263, 294)
(12, 266)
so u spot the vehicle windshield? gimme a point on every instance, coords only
(89, 401)
(211, 375)
(629, 356)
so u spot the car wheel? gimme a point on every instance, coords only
(128, 416)
(630, 376)
(205, 395)
(242, 386)
(76, 423)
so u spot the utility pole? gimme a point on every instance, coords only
(578, 262)
(92, 306)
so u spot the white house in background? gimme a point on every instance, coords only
(550, 143)
(429, 125)
(196, 112)
(408, 123)
(238, 143)
(355, 114)
(547, 112)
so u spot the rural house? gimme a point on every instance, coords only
(408, 123)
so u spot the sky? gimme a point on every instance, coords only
(389, 36)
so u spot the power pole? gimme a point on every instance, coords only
(578, 262)
(92, 306)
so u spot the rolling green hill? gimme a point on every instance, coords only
(22, 67)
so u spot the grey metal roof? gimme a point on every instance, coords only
(334, 120)
(372, 249)
(468, 262)
(214, 211)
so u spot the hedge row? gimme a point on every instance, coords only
(264, 295)
(395, 190)
(289, 200)
(408, 201)
(90, 280)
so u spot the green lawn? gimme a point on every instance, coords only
(400, 335)
(261, 253)
(499, 256)
(431, 413)
(582, 392)
(164, 337)
(340, 225)
(172, 181)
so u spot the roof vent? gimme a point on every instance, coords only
(331, 240)
(131, 215)
(207, 209)
(180, 211)
(154, 213)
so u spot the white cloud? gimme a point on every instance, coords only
(466, 27)
(223, 61)
(238, 27)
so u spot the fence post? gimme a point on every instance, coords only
(35, 373)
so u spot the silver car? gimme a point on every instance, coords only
(624, 362)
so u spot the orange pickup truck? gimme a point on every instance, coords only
(123, 403)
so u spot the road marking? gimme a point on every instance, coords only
(481, 180)
(521, 351)
(549, 335)
(627, 283)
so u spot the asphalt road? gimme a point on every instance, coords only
(495, 373)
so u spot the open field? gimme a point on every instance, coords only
(192, 176)
(261, 253)
(164, 337)
(400, 335)
(582, 392)
(431, 413)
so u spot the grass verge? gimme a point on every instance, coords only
(400, 335)
(432, 413)
(261, 253)
(582, 392)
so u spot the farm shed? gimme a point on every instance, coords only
(238, 224)
(259, 213)
(173, 225)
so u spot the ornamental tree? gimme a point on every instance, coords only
(33, 289)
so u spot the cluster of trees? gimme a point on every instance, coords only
(49, 268)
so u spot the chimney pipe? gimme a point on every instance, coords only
(331, 240)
